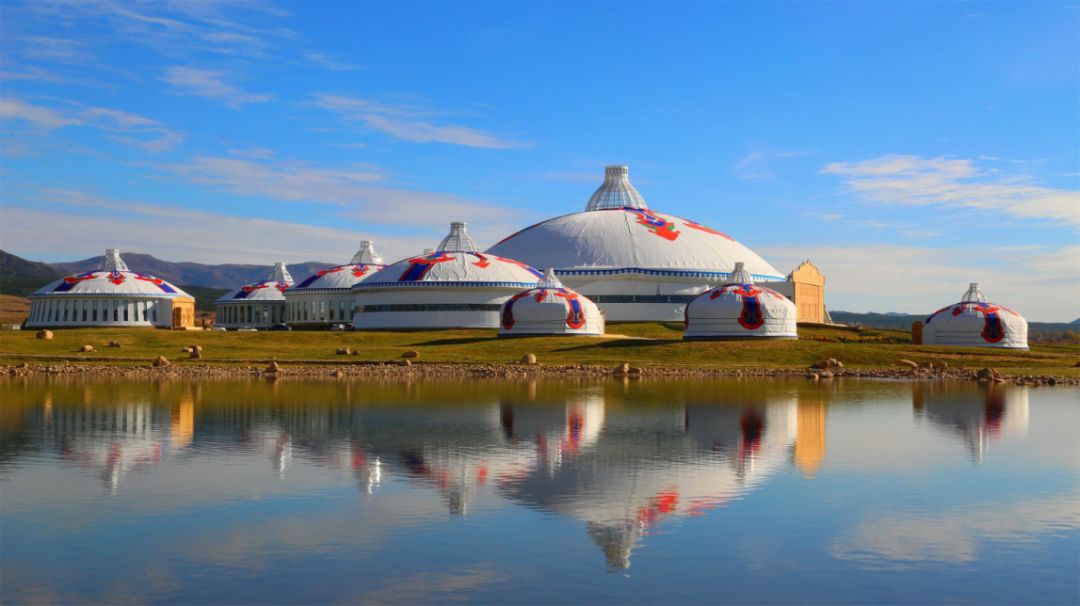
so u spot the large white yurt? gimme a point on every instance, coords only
(324, 297)
(635, 263)
(550, 309)
(975, 322)
(740, 309)
(255, 305)
(111, 295)
(454, 286)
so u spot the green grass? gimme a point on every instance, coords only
(648, 344)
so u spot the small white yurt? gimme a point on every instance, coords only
(255, 305)
(325, 298)
(739, 309)
(111, 295)
(550, 309)
(454, 286)
(974, 322)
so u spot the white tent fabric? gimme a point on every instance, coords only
(271, 289)
(550, 309)
(111, 278)
(325, 297)
(740, 309)
(975, 322)
(441, 289)
(111, 295)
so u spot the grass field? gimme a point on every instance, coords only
(649, 344)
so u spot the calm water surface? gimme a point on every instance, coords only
(605, 492)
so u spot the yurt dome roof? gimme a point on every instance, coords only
(342, 277)
(111, 278)
(271, 289)
(550, 307)
(740, 308)
(976, 321)
(630, 239)
(460, 266)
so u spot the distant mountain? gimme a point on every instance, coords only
(902, 321)
(227, 276)
(19, 277)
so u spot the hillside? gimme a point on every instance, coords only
(225, 276)
(900, 321)
(19, 277)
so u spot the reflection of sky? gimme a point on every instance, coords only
(895, 505)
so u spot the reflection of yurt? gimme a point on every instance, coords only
(111, 295)
(975, 322)
(976, 414)
(635, 263)
(255, 305)
(452, 287)
(550, 309)
(648, 466)
(740, 309)
(324, 297)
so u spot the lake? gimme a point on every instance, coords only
(653, 491)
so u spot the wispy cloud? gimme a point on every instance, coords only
(409, 123)
(1037, 281)
(212, 84)
(125, 127)
(958, 183)
(330, 63)
(359, 190)
(758, 165)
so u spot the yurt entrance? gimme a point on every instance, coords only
(177, 318)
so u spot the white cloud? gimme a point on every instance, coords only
(177, 234)
(1041, 283)
(408, 123)
(125, 127)
(288, 181)
(758, 164)
(902, 539)
(960, 183)
(211, 84)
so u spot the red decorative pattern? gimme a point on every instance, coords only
(708, 230)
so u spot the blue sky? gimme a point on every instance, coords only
(906, 148)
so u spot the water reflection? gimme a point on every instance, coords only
(996, 410)
(628, 467)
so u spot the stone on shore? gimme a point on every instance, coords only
(344, 351)
(635, 372)
(115, 344)
(622, 369)
(86, 348)
(529, 358)
(826, 363)
(907, 363)
(196, 353)
(987, 374)
(825, 374)
(405, 362)
(273, 368)
(411, 354)
(161, 361)
(48, 334)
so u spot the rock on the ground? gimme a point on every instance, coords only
(161, 361)
(405, 362)
(622, 369)
(86, 348)
(411, 354)
(273, 368)
(48, 334)
(196, 353)
(826, 363)
(987, 374)
(115, 344)
(907, 363)
(529, 358)
(344, 351)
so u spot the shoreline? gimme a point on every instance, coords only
(403, 369)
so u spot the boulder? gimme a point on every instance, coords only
(907, 363)
(272, 368)
(529, 358)
(622, 369)
(161, 361)
(196, 353)
(825, 374)
(86, 348)
(48, 334)
(826, 363)
(405, 362)
(115, 344)
(986, 374)
(813, 376)
(411, 355)
(344, 351)
(186, 350)
(635, 371)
